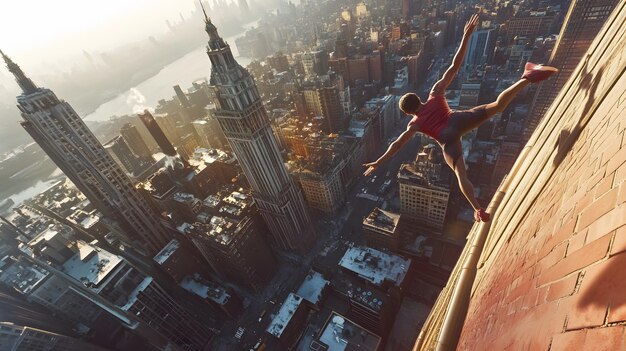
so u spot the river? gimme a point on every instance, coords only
(189, 68)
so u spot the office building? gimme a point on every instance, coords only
(121, 153)
(289, 322)
(480, 48)
(220, 297)
(531, 24)
(134, 140)
(424, 190)
(157, 133)
(63, 135)
(229, 235)
(322, 99)
(383, 270)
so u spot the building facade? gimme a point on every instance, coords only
(134, 140)
(424, 192)
(246, 125)
(121, 153)
(63, 135)
(582, 23)
(22, 338)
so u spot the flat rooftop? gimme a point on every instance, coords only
(205, 289)
(375, 266)
(22, 276)
(424, 175)
(312, 287)
(382, 220)
(340, 333)
(167, 251)
(357, 290)
(91, 264)
(221, 229)
(287, 310)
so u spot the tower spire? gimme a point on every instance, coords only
(27, 85)
(206, 18)
(215, 41)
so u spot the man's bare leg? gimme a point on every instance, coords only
(453, 155)
(505, 97)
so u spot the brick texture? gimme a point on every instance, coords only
(556, 276)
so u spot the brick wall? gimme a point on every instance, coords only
(553, 270)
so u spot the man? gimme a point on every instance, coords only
(435, 119)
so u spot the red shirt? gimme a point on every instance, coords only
(433, 116)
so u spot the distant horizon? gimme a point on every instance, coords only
(82, 28)
(63, 56)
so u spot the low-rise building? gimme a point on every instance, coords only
(225, 299)
(378, 268)
(341, 334)
(229, 235)
(313, 289)
(289, 322)
(381, 229)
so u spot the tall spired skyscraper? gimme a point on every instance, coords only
(63, 135)
(246, 125)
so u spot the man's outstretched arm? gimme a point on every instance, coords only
(393, 148)
(442, 84)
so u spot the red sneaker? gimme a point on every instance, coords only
(481, 216)
(536, 73)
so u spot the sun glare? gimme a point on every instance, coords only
(34, 25)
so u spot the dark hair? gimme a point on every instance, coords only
(410, 103)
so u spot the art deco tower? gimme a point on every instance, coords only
(246, 125)
(63, 135)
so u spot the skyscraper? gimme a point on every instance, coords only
(134, 140)
(245, 123)
(63, 135)
(480, 48)
(157, 133)
(322, 99)
(581, 25)
(121, 153)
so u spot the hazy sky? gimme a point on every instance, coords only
(34, 29)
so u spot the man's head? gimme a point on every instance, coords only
(410, 103)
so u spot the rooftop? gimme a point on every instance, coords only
(203, 157)
(167, 251)
(424, 173)
(375, 266)
(383, 220)
(358, 290)
(91, 265)
(84, 219)
(22, 276)
(205, 289)
(374, 299)
(287, 310)
(340, 333)
(185, 198)
(221, 230)
(312, 287)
